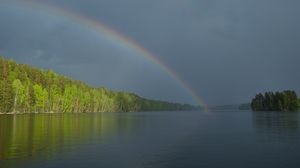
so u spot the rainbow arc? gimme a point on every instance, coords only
(117, 38)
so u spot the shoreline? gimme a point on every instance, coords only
(20, 113)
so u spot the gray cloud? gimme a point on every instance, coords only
(227, 50)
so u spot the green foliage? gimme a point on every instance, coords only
(6, 96)
(19, 94)
(26, 89)
(41, 98)
(279, 101)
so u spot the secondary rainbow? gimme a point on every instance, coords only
(116, 37)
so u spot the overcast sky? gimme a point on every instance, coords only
(226, 50)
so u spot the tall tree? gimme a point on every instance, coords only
(18, 93)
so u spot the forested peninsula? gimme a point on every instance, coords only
(26, 89)
(279, 101)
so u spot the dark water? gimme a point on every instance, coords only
(151, 140)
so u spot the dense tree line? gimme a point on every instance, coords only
(27, 89)
(279, 101)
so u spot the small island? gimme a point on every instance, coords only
(286, 101)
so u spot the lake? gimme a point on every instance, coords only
(151, 140)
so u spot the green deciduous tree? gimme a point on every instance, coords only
(19, 94)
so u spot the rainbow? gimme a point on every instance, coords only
(115, 37)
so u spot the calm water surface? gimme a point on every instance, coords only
(151, 140)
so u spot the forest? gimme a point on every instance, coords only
(26, 89)
(278, 101)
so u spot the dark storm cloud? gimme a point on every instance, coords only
(226, 49)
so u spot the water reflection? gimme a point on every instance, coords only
(48, 134)
(276, 126)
